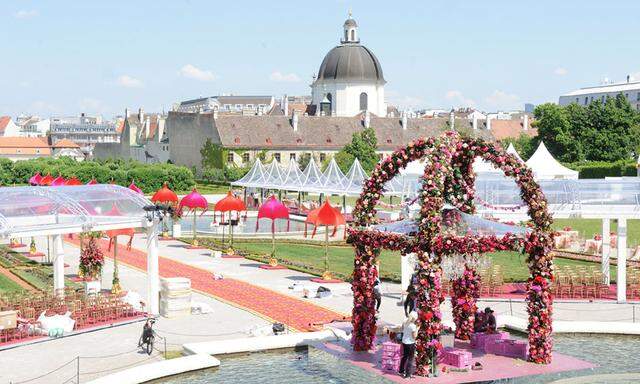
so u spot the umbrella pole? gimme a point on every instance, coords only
(326, 275)
(273, 261)
(230, 231)
(195, 240)
(115, 284)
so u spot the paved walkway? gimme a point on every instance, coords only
(297, 314)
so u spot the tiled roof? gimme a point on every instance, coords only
(330, 132)
(4, 121)
(66, 143)
(24, 146)
(501, 129)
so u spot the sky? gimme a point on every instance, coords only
(99, 57)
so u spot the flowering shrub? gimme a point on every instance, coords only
(91, 259)
(449, 177)
(466, 290)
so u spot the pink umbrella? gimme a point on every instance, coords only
(58, 181)
(273, 209)
(135, 188)
(193, 201)
(35, 179)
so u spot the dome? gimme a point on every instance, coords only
(350, 23)
(351, 62)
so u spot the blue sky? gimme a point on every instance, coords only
(64, 57)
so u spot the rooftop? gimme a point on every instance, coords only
(616, 87)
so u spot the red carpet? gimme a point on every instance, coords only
(295, 313)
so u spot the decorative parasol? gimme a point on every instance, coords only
(92, 182)
(113, 239)
(165, 196)
(58, 181)
(311, 219)
(73, 181)
(193, 201)
(46, 180)
(326, 215)
(35, 179)
(228, 204)
(273, 209)
(135, 188)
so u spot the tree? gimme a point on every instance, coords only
(555, 131)
(363, 146)
(212, 155)
(525, 144)
(304, 160)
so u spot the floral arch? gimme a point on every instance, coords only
(449, 177)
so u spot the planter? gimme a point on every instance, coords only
(176, 230)
(93, 286)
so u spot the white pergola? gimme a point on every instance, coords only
(58, 211)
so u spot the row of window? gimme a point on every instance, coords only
(239, 107)
(277, 157)
(603, 98)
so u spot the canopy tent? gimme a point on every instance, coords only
(512, 151)
(293, 175)
(334, 179)
(545, 167)
(56, 211)
(312, 178)
(354, 178)
(274, 176)
(254, 178)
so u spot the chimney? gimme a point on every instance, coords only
(215, 113)
(628, 78)
(367, 119)
(475, 121)
(285, 105)
(488, 123)
(294, 120)
(403, 120)
(452, 119)
(126, 113)
(525, 123)
(147, 127)
(140, 115)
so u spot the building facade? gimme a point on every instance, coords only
(250, 105)
(84, 130)
(584, 96)
(350, 79)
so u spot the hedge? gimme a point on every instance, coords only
(602, 169)
(148, 177)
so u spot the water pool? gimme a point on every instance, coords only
(306, 366)
(612, 354)
(245, 227)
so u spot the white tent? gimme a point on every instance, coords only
(544, 166)
(512, 151)
(274, 176)
(334, 179)
(253, 178)
(354, 178)
(312, 178)
(292, 177)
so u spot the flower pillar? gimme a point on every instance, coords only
(364, 309)
(466, 291)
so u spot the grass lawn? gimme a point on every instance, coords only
(310, 258)
(7, 285)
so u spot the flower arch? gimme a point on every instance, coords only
(449, 177)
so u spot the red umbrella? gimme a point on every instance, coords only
(312, 218)
(135, 188)
(326, 215)
(193, 201)
(228, 204)
(92, 182)
(46, 180)
(113, 239)
(164, 195)
(58, 181)
(273, 209)
(73, 181)
(35, 179)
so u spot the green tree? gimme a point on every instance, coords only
(213, 155)
(363, 147)
(524, 144)
(304, 160)
(555, 130)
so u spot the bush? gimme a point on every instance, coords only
(235, 173)
(213, 175)
(602, 169)
(148, 177)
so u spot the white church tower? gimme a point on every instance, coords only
(350, 79)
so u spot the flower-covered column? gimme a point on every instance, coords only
(539, 296)
(363, 316)
(466, 291)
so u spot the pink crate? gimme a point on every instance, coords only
(391, 367)
(457, 358)
(479, 340)
(508, 347)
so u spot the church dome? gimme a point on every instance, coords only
(351, 62)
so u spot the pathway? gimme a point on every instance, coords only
(295, 313)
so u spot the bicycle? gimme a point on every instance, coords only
(148, 337)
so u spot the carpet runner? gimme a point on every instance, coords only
(275, 307)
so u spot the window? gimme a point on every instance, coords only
(602, 99)
(586, 100)
(249, 106)
(322, 157)
(230, 157)
(238, 106)
(346, 35)
(276, 157)
(292, 156)
(577, 100)
(638, 96)
(364, 101)
(245, 157)
(353, 34)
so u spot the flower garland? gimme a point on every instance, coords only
(466, 291)
(91, 259)
(449, 177)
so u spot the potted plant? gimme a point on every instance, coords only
(91, 262)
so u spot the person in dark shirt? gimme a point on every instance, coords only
(410, 300)
(478, 323)
(490, 321)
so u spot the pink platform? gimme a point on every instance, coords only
(495, 367)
